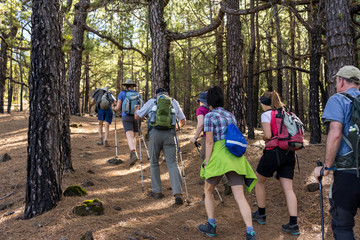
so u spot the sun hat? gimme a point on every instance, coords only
(129, 82)
(349, 72)
(202, 98)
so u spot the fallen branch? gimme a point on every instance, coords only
(7, 196)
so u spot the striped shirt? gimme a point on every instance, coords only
(217, 122)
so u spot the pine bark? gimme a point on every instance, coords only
(234, 48)
(314, 107)
(250, 107)
(339, 39)
(77, 47)
(219, 39)
(160, 45)
(278, 53)
(44, 170)
(3, 70)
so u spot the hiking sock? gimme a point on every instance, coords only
(249, 229)
(261, 211)
(293, 220)
(212, 221)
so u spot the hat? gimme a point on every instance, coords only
(106, 89)
(129, 82)
(202, 98)
(160, 90)
(349, 72)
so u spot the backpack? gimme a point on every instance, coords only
(162, 115)
(131, 99)
(287, 130)
(353, 139)
(105, 101)
(235, 141)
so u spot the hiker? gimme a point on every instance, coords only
(163, 112)
(103, 100)
(201, 111)
(275, 159)
(339, 156)
(220, 161)
(131, 126)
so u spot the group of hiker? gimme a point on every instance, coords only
(220, 163)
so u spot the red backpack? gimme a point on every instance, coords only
(287, 130)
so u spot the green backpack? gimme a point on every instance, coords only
(163, 114)
(353, 139)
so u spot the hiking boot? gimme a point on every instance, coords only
(133, 158)
(207, 229)
(178, 199)
(227, 189)
(106, 144)
(293, 229)
(259, 218)
(155, 195)
(100, 142)
(251, 236)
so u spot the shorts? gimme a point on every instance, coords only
(105, 115)
(233, 179)
(277, 160)
(130, 124)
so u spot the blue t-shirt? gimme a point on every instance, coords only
(122, 96)
(338, 108)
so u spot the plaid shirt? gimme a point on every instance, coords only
(217, 121)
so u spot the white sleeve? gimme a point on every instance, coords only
(266, 117)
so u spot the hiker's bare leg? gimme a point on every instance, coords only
(100, 129)
(260, 191)
(287, 186)
(238, 192)
(107, 126)
(209, 199)
(131, 140)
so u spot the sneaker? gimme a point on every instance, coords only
(293, 229)
(155, 195)
(207, 229)
(178, 199)
(133, 158)
(106, 144)
(227, 190)
(100, 142)
(259, 218)
(251, 236)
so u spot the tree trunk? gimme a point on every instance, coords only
(257, 76)
(120, 74)
(300, 82)
(44, 170)
(188, 85)
(278, 52)
(269, 77)
(250, 108)
(147, 68)
(234, 48)
(219, 33)
(3, 69)
(11, 85)
(87, 84)
(294, 96)
(174, 75)
(314, 108)
(160, 75)
(339, 39)
(77, 46)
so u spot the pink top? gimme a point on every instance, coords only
(202, 111)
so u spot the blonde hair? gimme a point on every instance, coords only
(275, 99)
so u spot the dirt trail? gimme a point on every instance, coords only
(143, 217)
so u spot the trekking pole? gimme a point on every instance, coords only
(142, 176)
(321, 202)
(116, 150)
(216, 189)
(182, 164)
(142, 136)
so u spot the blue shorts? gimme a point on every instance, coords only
(105, 115)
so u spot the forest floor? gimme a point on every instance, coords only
(143, 217)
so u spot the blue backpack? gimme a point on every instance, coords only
(235, 141)
(131, 99)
